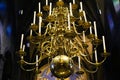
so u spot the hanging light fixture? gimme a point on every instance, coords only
(65, 47)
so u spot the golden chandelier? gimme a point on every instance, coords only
(65, 47)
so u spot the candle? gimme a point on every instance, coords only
(21, 44)
(95, 29)
(36, 60)
(96, 56)
(50, 8)
(80, 16)
(40, 21)
(84, 16)
(83, 36)
(23, 47)
(34, 17)
(79, 62)
(104, 46)
(31, 32)
(100, 11)
(39, 7)
(81, 6)
(70, 9)
(73, 1)
(90, 28)
(46, 2)
(68, 21)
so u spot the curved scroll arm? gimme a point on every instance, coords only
(95, 63)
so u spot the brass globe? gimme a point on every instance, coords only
(61, 66)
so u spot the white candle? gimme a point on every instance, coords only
(50, 8)
(22, 57)
(90, 30)
(23, 47)
(21, 44)
(40, 21)
(36, 60)
(104, 46)
(68, 21)
(81, 6)
(83, 36)
(100, 11)
(70, 4)
(84, 16)
(73, 1)
(96, 59)
(95, 29)
(34, 18)
(39, 7)
(80, 16)
(31, 32)
(46, 2)
(79, 62)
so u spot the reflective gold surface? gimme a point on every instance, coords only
(61, 66)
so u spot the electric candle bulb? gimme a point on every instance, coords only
(84, 16)
(70, 4)
(31, 32)
(40, 21)
(104, 46)
(80, 16)
(21, 45)
(79, 62)
(68, 21)
(39, 7)
(95, 29)
(81, 6)
(96, 59)
(50, 8)
(83, 36)
(34, 18)
(73, 1)
(36, 60)
(90, 28)
(46, 2)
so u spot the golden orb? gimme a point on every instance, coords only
(61, 66)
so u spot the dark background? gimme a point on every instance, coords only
(109, 25)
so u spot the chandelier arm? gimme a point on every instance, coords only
(34, 42)
(46, 31)
(84, 55)
(27, 69)
(76, 30)
(36, 33)
(94, 63)
(91, 71)
(88, 70)
(47, 46)
(31, 63)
